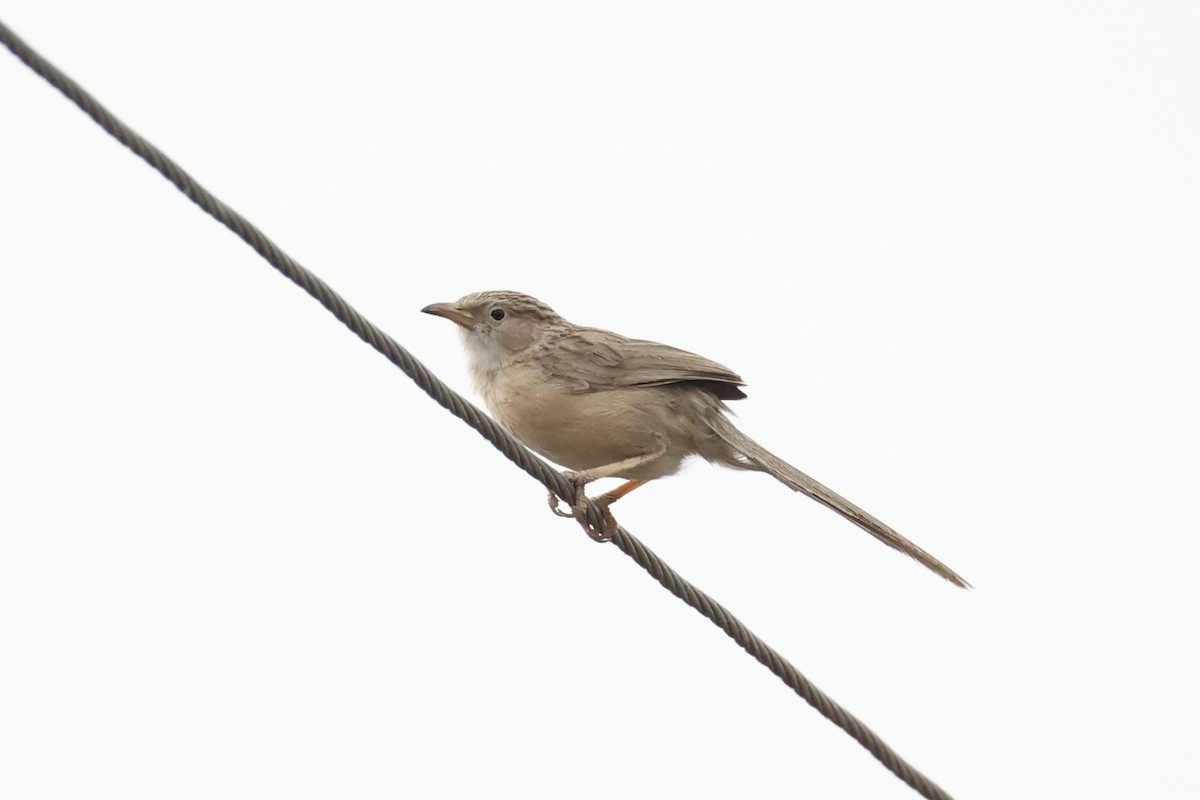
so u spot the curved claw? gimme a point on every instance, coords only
(554, 501)
(579, 510)
(577, 484)
(609, 529)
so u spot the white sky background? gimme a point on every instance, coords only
(952, 249)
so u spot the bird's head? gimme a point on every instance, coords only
(497, 326)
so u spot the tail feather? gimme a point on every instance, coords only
(748, 453)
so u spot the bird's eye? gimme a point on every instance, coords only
(497, 314)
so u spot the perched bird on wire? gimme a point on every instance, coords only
(604, 405)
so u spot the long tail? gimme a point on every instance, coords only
(758, 457)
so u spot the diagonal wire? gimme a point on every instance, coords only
(461, 408)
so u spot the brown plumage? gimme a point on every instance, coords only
(605, 405)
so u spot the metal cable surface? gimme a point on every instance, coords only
(464, 410)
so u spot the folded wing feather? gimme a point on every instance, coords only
(600, 360)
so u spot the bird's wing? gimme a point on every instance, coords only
(590, 359)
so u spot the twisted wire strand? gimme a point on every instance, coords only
(469, 413)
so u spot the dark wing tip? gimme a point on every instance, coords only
(723, 390)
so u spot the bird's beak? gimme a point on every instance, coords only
(452, 313)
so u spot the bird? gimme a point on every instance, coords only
(604, 405)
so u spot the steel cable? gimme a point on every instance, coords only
(464, 410)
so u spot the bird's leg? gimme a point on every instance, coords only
(581, 479)
(608, 498)
(603, 501)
